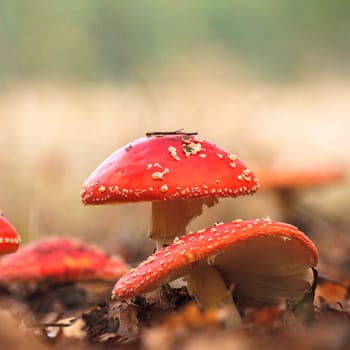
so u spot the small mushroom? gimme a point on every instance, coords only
(262, 260)
(272, 178)
(57, 275)
(9, 238)
(178, 172)
(60, 259)
(287, 183)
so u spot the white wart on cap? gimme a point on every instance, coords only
(9, 238)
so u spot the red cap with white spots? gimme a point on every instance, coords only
(256, 256)
(9, 238)
(60, 259)
(168, 166)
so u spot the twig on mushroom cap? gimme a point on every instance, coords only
(162, 133)
(265, 260)
(179, 172)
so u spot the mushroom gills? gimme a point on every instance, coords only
(266, 270)
(265, 291)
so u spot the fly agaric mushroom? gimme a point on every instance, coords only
(178, 172)
(299, 178)
(287, 183)
(55, 276)
(9, 238)
(264, 260)
(60, 259)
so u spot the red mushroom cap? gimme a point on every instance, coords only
(175, 166)
(60, 259)
(239, 249)
(9, 238)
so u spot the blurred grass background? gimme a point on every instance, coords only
(268, 81)
(94, 40)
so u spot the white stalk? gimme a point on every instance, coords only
(210, 291)
(171, 217)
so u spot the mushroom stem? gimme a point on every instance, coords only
(170, 218)
(210, 291)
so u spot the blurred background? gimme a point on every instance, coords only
(270, 82)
